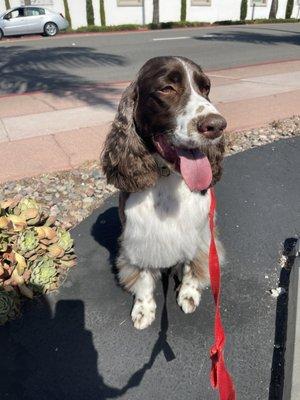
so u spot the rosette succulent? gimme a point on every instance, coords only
(43, 274)
(64, 239)
(27, 203)
(9, 305)
(28, 241)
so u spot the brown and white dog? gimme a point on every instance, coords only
(163, 152)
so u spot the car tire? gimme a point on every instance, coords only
(1, 34)
(50, 29)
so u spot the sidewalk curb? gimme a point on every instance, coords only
(291, 389)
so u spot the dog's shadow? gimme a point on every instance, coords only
(106, 231)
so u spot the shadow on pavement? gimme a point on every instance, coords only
(23, 69)
(252, 37)
(106, 231)
(53, 357)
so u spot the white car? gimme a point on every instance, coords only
(29, 19)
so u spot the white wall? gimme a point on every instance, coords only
(116, 15)
(78, 13)
(217, 11)
(281, 9)
(169, 11)
(296, 9)
(96, 6)
(259, 11)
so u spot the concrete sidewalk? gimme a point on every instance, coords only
(40, 132)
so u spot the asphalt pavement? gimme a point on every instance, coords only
(72, 60)
(80, 344)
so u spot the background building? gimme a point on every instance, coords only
(141, 11)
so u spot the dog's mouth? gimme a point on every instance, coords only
(192, 164)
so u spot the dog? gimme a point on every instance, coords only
(163, 153)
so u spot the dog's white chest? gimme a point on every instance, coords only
(166, 224)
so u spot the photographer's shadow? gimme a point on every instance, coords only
(54, 358)
(47, 357)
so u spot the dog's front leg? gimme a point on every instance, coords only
(141, 284)
(195, 278)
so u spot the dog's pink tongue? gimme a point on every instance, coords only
(195, 169)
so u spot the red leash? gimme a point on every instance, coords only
(219, 376)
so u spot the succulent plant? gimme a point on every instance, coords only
(64, 239)
(34, 252)
(27, 204)
(28, 241)
(16, 223)
(9, 305)
(4, 242)
(43, 275)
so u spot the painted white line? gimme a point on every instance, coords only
(209, 35)
(172, 38)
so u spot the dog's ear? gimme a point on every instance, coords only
(126, 162)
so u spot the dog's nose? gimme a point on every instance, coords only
(212, 126)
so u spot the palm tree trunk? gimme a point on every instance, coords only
(102, 13)
(67, 13)
(155, 19)
(183, 11)
(273, 9)
(7, 4)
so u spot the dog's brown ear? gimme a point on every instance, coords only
(126, 162)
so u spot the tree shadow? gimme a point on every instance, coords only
(251, 37)
(23, 70)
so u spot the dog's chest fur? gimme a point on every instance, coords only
(165, 225)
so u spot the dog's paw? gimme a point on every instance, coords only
(143, 313)
(188, 298)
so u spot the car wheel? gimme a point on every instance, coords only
(1, 34)
(50, 29)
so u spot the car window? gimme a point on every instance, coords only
(17, 13)
(34, 11)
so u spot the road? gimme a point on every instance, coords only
(71, 60)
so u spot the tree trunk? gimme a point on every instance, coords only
(67, 13)
(244, 9)
(102, 13)
(273, 9)
(289, 8)
(90, 13)
(27, 2)
(7, 4)
(183, 11)
(155, 19)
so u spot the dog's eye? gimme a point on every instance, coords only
(167, 89)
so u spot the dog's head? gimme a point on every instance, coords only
(165, 113)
